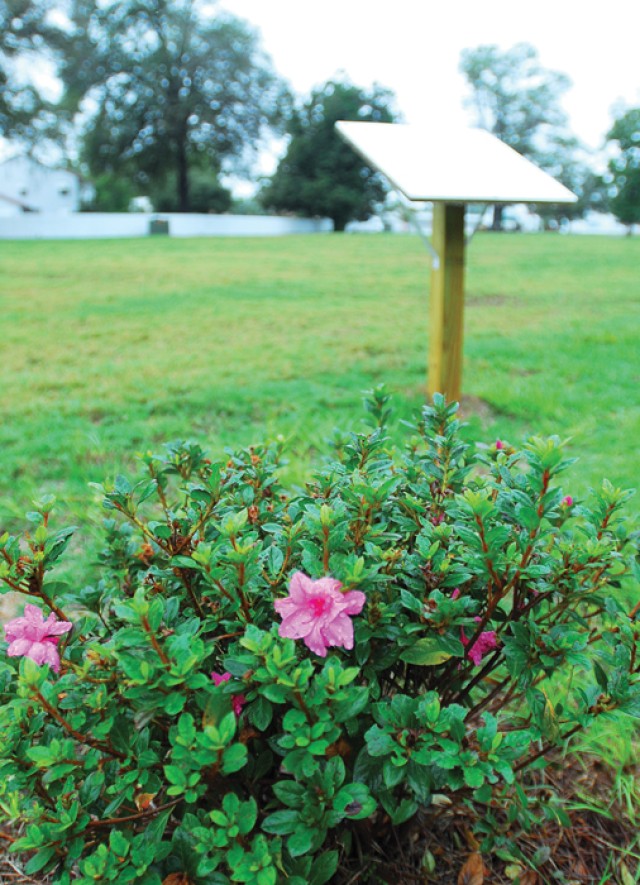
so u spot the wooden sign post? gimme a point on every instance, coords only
(446, 305)
(450, 169)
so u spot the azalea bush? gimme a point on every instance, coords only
(268, 686)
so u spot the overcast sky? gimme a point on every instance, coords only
(413, 47)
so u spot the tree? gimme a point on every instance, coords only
(624, 168)
(517, 100)
(26, 33)
(320, 175)
(568, 162)
(170, 86)
(206, 194)
(111, 193)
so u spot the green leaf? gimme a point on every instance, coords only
(473, 777)
(301, 841)
(281, 822)
(40, 860)
(290, 793)
(234, 758)
(175, 775)
(42, 756)
(355, 802)
(174, 703)
(431, 651)
(323, 868)
(261, 713)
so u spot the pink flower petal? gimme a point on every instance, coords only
(339, 632)
(31, 636)
(314, 640)
(220, 677)
(237, 703)
(355, 601)
(326, 585)
(296, 625)
(57, 628)
(318, 613)
(33, 613)
(15, 629)
(50, 656)
(287, 606)
(19, 647)
(298, 587)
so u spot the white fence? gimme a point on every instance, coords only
(100, 225)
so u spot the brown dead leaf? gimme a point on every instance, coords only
(472, 873)
(177, 879)
(471, 840)
(144, 800)
(530, 877)
(580, 870)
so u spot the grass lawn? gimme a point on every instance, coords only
(110, 347)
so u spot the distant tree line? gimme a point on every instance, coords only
(161, 98)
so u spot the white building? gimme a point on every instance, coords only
(28, 186)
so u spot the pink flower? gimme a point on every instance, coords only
(318, 612)
(499, 444)
(486, 642)
(455, 593)
(567, 501)
(33, 637)
(237, 700)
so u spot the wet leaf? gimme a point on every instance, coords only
(472, 873)
(177, 879)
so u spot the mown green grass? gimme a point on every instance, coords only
(111, 347)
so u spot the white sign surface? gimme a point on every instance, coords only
(452, 165)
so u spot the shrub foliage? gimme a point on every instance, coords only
(484, 585)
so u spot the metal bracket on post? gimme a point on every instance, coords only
(413, 220)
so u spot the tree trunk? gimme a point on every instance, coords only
(182, 178)
(498, 209)
(339, 224)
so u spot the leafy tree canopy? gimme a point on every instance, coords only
(517, 99)
(568, 162)
(624, 168)
(165, 85)
(320, 175)
(27, 34)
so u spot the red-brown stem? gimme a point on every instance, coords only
(54, 608)
(526, 556)
(224, 592)
(307, 712)
(530, 759)
(485, 549)
(243, 599)
(160, 490)
(203, 518)
(146, 626)
(605, 521)
(81, 738)
(187, 585)
(228, 636)
(494, 691)
(6, 837)
(141, 815)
